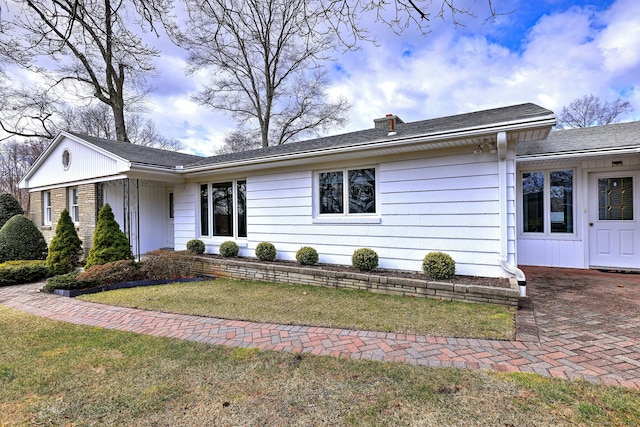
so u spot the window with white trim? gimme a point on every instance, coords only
(547, 202)
(347, 192)
(223, 209)
(46, 207)
(74, 208)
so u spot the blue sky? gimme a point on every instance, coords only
(548, 52)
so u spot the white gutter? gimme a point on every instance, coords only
(504, 235)
(578, 154)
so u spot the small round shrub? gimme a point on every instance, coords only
(266, 251)
(196, 246)
(20, 239)
(229, 249)
(364, 259)
(307, 256)
(165, 264)
(439, 266)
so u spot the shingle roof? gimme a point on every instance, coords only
(140, 154)
(605, 137)
(442, 125)
(404, 130)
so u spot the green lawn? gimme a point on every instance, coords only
(59, 374)
(310, 305)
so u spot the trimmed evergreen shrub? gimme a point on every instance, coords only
(112, 272)
(66, 247)
(364, 259)
(229, 249)
(164, 264)
(66, 281)
(439, 266)
(20, 239)
(265, 251)
(18, 272)
(109, 242)
(9, 207)
(307, 256)
(196, 246)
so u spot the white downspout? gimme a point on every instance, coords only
(504, 234)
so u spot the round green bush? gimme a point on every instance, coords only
(109, 242)
(307, 256)
(20, 239)
(439, 266)
(229, 249)
(196, 246)
(364, 259)
(9, 207)
(266, 251)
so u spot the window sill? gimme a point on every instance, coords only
(346, 220)
(548, 236)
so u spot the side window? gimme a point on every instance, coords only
(355, 186)
(547, 202)
(74, 209)
(46, 207)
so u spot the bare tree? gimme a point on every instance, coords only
(239, 140)
(15, 158)
(591, 111)
(264, 58)
(80, 49)
(97, 121)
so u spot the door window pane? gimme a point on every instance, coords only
(615, 199)
(561, 201)
(533, 202)
(242, 208)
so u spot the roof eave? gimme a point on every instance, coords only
(425, 141)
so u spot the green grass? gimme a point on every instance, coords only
(310, 305)
(59, 374)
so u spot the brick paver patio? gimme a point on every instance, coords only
(576, 324)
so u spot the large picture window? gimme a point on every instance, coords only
(226, 201)
(547, 202)
(355, 186)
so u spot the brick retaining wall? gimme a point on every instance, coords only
(294, 274)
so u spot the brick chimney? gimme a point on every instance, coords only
(388, 122)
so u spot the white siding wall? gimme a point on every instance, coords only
(85, 163)
(441, 203)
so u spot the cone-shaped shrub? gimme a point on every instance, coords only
(66, 247)
(9, 207)
(109, 242)
(20, 239)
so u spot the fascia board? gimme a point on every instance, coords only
(578, 154)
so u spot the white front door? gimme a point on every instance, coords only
(614, 234)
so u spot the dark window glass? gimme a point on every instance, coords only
(242, 208)
(362, 191)
(561, 195)
(533, 202)
(331, 193)
(171, 205)
(222, 196)
(204, 210)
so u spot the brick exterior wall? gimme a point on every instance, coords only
(294, 274)
(59, 201)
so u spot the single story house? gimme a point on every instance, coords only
(494, 189)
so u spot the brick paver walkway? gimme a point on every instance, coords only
(576, 324)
